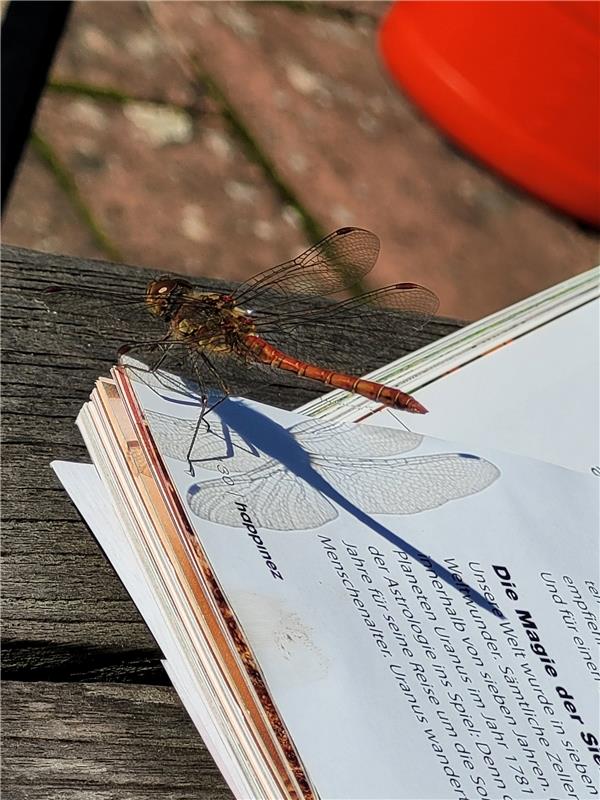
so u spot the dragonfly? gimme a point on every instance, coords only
(266, 320)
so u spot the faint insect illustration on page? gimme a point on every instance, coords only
(272, 320)
(299, 495)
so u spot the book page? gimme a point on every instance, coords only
(425, 616)
(93, 501)
(537, 395)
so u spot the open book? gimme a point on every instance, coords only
(367, 611)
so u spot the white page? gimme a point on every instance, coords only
(520, 399)
(391, 684)
(91, 497)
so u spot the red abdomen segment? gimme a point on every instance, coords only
(386, 395)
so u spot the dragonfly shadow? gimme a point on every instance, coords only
(262, 434)
(266, 435)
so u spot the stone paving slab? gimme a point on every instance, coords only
(171, 191)
(40, 214)
(168, 185)
(113, 44)
(356, 152)
(172, 188)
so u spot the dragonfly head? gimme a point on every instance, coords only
(164, 296)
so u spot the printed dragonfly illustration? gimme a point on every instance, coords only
(284, 498)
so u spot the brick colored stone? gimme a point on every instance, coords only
(173, 190)
(314, 95)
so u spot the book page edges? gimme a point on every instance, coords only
(200, 585)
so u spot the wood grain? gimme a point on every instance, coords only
(98, 741)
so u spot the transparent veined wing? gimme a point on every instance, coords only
(412, 305)
(337, 262)
(277, 500)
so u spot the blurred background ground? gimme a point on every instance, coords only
(219, 138)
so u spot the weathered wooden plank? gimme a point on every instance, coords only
(98, 741)
(58, 588)
(65, 612)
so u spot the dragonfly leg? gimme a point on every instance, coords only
(163, 355)
(216, 374)
(163, 345)
(205, 409)
(203, 412)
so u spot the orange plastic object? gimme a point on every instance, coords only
(516, 83)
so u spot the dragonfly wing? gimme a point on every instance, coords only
(337, 262)
(348, 336)
(416, 304)
(408, 485)
(276, 500)
(120, 312)
(412, 307)
(339, 439)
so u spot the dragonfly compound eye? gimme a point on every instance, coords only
(164, 295)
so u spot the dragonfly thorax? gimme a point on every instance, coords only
(209, 321)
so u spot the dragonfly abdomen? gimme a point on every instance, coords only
(386, 395)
